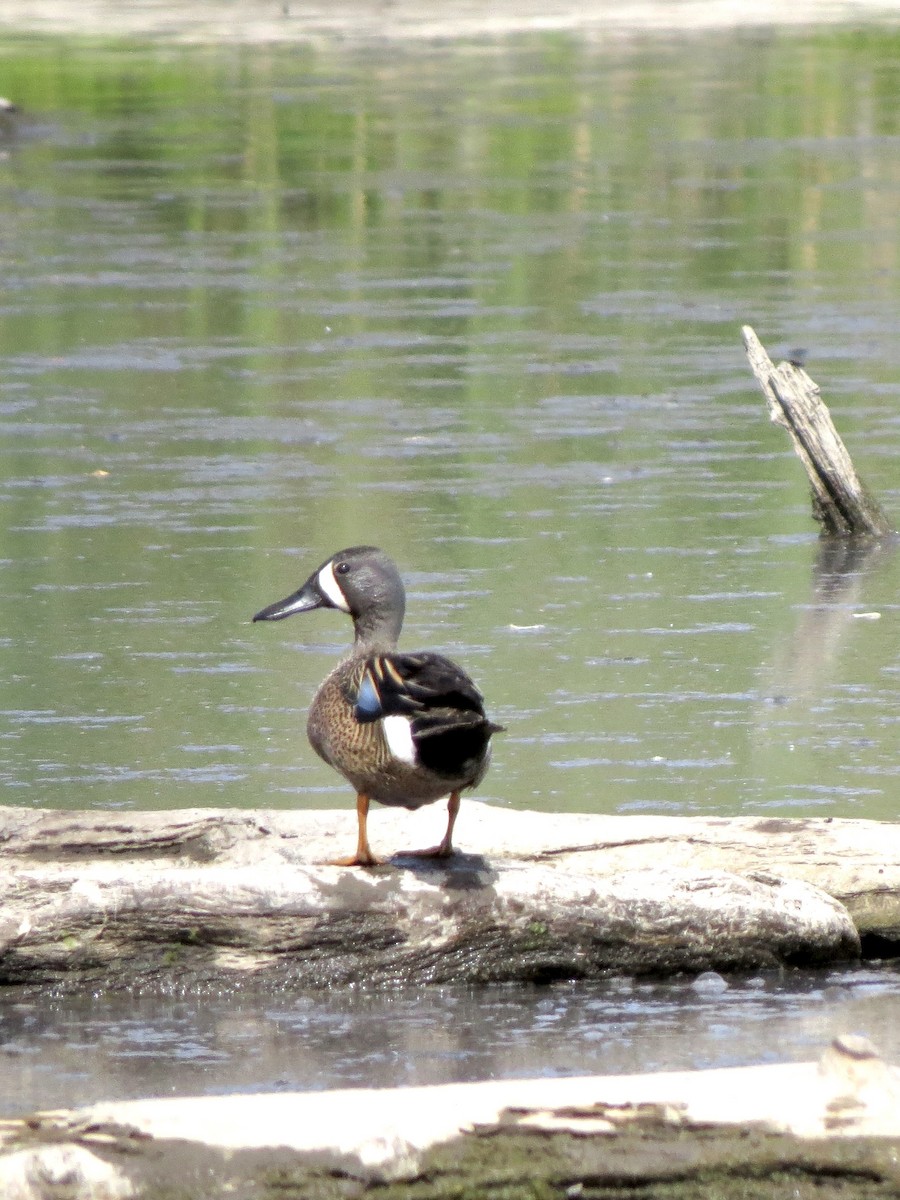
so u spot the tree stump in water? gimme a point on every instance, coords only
(841, 503)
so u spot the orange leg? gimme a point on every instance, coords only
(445, 848)
(363, 856)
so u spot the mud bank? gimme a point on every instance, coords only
(826, 1129)
(371, 20)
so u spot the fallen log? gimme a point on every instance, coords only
(841, 503)
(834, 1126)
(187, 897)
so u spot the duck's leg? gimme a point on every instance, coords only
(445, 848)
(363, 856)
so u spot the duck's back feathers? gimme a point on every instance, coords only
(407, 684)
(444, 709)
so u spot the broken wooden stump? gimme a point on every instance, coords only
(841, 503)
(193, 897)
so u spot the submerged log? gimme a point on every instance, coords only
(834, 1125)
(188, 897)
(841, 503)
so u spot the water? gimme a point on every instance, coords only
(71, 1052)
(478, 302)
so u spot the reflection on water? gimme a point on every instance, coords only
(480, 303)
(71, 1051)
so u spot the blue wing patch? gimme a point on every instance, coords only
(368, 702)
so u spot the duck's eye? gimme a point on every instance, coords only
(342, 568)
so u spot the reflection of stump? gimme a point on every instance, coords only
(841, 503)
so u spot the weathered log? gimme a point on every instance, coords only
(841, 503)
(834, 1124)
(96, 899)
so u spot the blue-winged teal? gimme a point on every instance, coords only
(403, 729)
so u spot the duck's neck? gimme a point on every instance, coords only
(377, 629)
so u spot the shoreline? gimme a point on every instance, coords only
(696, 1134)
(299, 21)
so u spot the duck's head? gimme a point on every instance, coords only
(361, 581)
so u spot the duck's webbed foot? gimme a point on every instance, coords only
(356, 860)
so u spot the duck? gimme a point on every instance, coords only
(404, 729)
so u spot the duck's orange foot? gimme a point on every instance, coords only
(442, 851)
(356, 860)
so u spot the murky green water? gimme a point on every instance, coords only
(73, 1051)
(478, 303)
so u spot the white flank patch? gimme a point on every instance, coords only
(398, 735)
(332, 589)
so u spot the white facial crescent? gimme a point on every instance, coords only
(332, 589)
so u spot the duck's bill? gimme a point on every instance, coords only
(304, 600)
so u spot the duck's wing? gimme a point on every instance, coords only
(442, 706)
(410, 684)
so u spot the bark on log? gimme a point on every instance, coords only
(197, 896)
(841, 503)
(834, 1125)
